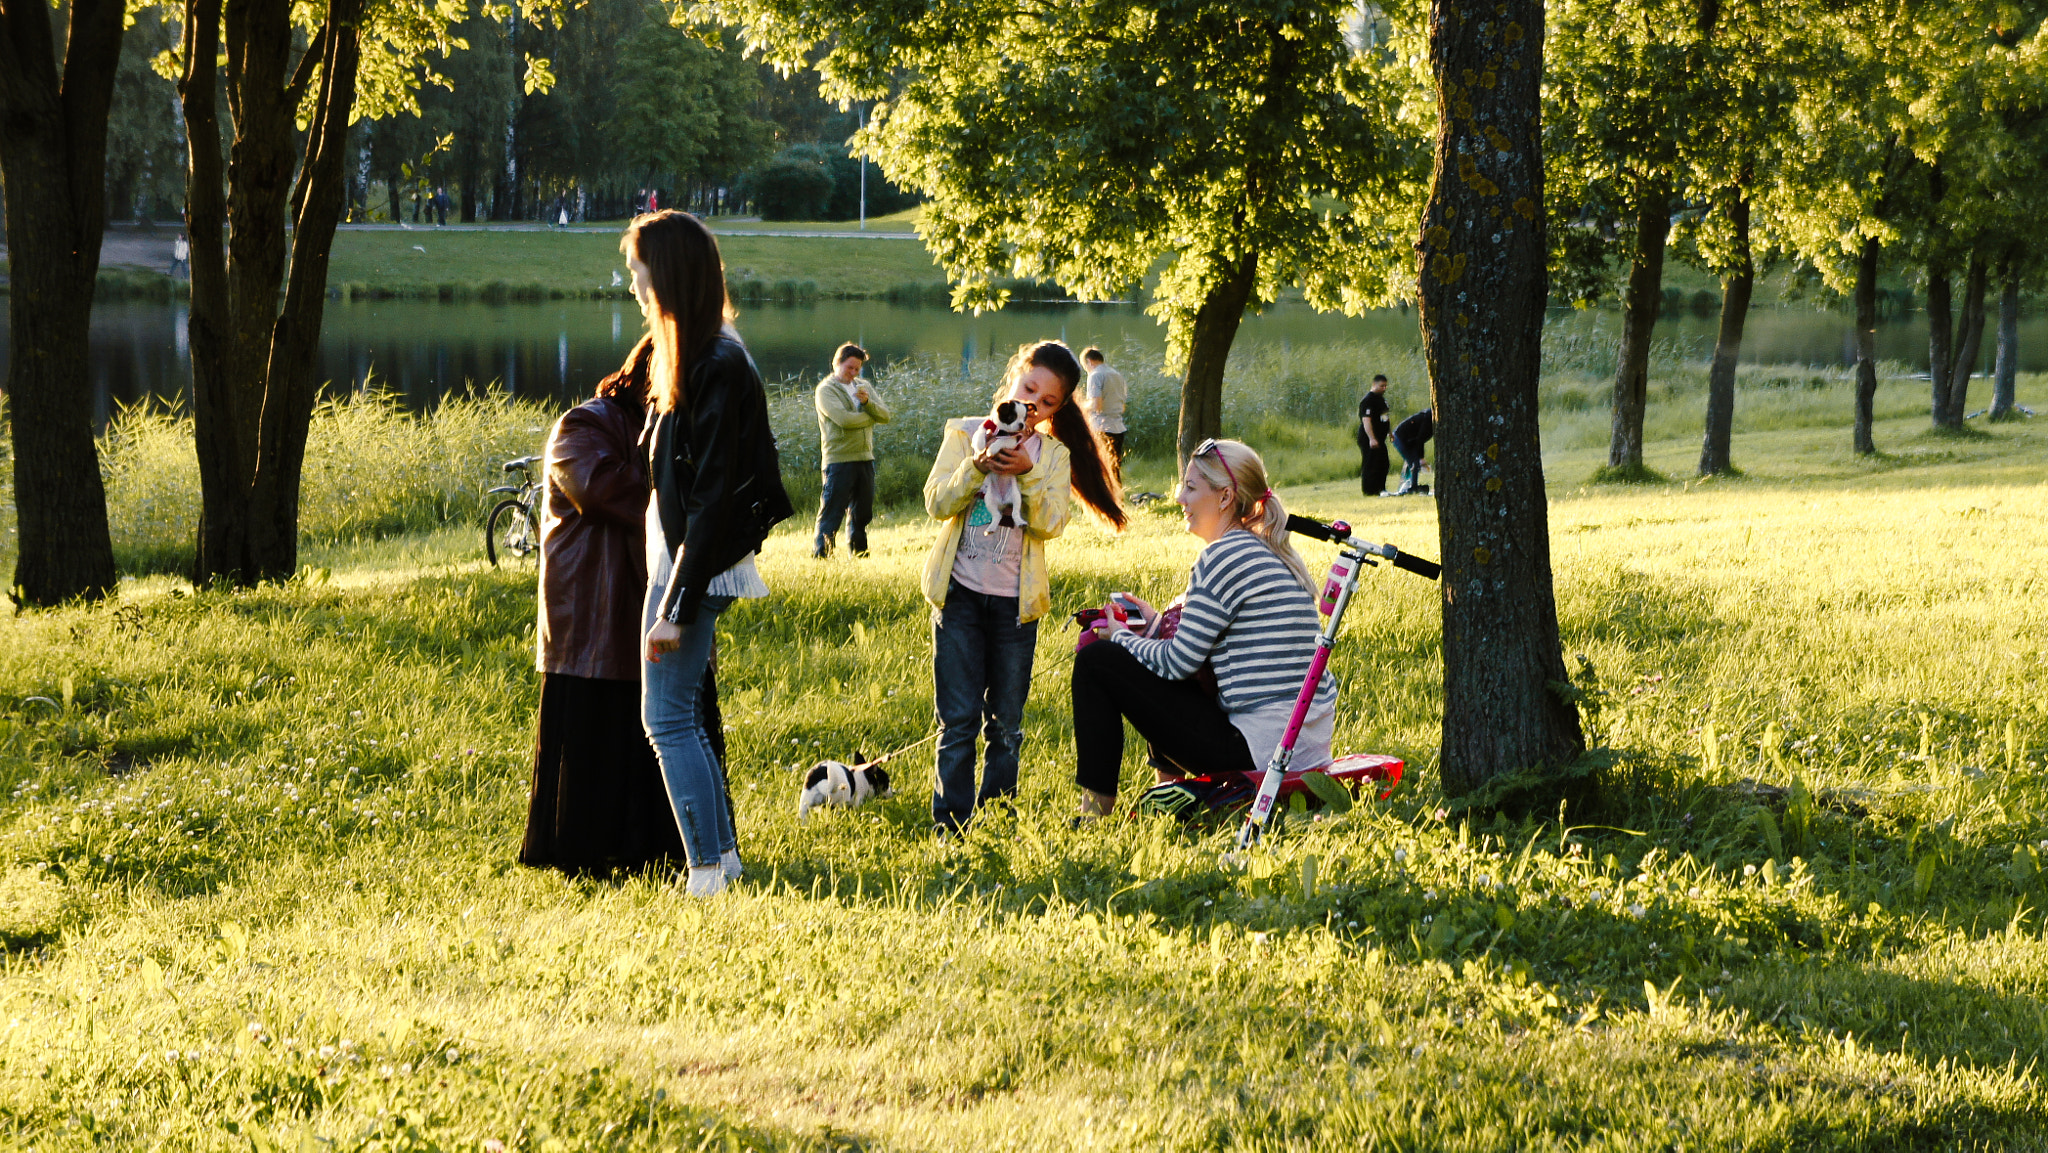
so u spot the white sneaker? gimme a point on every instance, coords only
(706, 880)
(730, 862)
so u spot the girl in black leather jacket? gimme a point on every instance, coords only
(716, 491)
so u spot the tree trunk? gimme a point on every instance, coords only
(1482, 331)
(1940, 337)
(1641, 303)
(1866, 345)
(1953, 342)
(53, 162)
(1736, 288)
(251, 361)
(1216, 322)
(2007, 364)
(507, 206)
(1969, 341)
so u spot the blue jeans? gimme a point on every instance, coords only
(671, 710)
(1411, 464)
(850, 493)
(981, 674)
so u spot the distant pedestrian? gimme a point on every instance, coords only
(181, 258)
(440, 207)
(1372, 435)
(849, 408)
(562, 217)
(1410, 437)
(415, 206)
(1103, 400)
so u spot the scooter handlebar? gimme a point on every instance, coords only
(1309, 526)
(1426, 569)
(1338, 532)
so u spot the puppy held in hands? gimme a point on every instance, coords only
(1001, 429)
(843, 785)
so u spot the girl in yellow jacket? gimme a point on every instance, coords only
(988, 583)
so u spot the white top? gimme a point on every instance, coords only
(990, 558)
(742, 580)
(1107, 395)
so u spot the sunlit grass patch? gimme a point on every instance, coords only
(239, 829)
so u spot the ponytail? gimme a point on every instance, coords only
(1268, 522)
(1242, 473)
(1090, 475)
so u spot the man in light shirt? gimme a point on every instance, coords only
(1103, 399)
(848, 411)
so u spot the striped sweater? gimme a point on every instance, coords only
(1246, 614)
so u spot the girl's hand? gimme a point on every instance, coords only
(664, 637)
(1008, 461)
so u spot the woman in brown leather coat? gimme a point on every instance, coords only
(598, 801)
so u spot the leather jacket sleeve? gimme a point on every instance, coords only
(727, 426)
(598, 474)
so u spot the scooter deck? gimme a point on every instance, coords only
(1354, 772)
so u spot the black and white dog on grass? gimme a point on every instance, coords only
(838, 783)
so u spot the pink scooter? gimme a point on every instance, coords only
(1352, 771)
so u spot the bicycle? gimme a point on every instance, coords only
(514, 523)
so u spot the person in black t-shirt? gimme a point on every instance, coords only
(1372, 438)
(1409, 438)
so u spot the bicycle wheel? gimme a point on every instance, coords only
(511, 529)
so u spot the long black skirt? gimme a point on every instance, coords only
(598, 803)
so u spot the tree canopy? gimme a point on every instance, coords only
(1231, 150)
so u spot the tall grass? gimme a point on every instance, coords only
(373, 469)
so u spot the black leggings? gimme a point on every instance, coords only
(1185, 725)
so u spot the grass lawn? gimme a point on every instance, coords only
(257, 886)
(904, 221)
(582, 262)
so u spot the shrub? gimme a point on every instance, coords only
(796, 184)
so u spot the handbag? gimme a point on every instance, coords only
(1162, 627)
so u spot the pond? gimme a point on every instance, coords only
(556, 350)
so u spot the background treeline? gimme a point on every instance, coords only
(636, 105)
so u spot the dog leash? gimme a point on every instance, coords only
(928, 738)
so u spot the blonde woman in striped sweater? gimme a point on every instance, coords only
(1249, 614)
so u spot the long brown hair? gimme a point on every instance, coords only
(690, 304)
(1242, 473)
(629, 382)
(1089, 473)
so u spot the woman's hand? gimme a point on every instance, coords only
(1144, 615)
(664, 637)
(1008, 461)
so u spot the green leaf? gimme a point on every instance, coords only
(1328, 790)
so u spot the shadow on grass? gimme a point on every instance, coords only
(1637, 473)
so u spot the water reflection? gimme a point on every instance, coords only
(555, 351)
